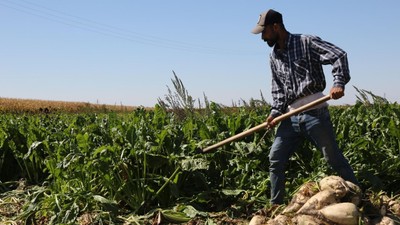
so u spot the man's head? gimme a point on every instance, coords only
(268, 17)
(269, 24)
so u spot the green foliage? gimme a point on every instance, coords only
(370, 138)
(120, 164)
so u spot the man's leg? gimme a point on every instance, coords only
(320, 131)
(286, 141)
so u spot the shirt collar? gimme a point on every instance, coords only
(287, 43)
(279, 52)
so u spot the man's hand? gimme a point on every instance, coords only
(336, 92)
(270, 123)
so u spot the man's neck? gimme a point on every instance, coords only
(283, 37)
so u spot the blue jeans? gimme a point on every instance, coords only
(315, 126)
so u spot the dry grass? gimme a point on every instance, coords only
(13, 105)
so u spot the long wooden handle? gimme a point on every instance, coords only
(265, 124)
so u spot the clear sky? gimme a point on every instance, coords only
(125, 51)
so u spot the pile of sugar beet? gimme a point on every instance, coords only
(333, 201)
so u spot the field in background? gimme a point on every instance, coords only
(15, 105)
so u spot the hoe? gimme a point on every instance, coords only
(265, 124)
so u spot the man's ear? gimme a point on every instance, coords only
(276, 26)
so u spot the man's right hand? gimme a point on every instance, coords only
(270, 122)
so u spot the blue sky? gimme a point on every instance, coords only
(124, 51)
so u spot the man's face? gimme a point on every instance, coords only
(269, 35)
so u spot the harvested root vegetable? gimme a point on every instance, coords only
(336, 203)
(279, 220)
(307, 220)
(258, 220)
(392, 204)
(383, 221)
(353, 187)
(354, 194)
(394, 207)
(305, 192)
(345, 213)
(335, 183)
(318, 201)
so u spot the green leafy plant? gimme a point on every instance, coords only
(113, 167)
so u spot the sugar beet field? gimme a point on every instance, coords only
(141, 166)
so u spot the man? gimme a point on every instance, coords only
(297, 79)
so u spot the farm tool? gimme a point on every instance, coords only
(265, 124)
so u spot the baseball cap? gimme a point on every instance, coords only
(268, 17)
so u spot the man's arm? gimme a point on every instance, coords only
(335, 56)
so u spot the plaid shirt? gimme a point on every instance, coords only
(297, 71)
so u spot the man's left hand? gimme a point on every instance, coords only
(336, 92)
